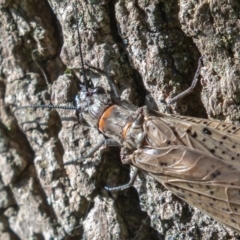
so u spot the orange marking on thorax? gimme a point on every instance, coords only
(102, 122)
(106, 114)
(124, 132)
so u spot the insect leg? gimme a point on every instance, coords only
(110, 81)
(114, 89)
(125, 186)
(191, 88)
(106, 142)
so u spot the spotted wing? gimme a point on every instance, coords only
(207, 139)
(227, 128)
(203, 181)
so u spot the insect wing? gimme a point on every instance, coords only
(204, 181)
(227, 128)
(208, 137)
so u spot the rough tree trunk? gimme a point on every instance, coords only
(151, 48)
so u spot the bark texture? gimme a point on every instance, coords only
(151, 48)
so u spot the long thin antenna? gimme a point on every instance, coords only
(87, 82)
(48, 106)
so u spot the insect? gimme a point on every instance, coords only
(180, 132)
(196, 159)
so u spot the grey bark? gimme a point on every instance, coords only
(151, 48)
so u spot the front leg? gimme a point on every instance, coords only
(134, 139)
(125, 186)
(106, 142)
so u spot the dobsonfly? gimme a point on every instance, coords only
(197, 159)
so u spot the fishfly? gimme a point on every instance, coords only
(197, 159)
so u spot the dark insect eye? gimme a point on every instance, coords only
(98, 90)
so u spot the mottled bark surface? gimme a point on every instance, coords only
(151, 48)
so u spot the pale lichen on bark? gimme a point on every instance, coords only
(151, 48)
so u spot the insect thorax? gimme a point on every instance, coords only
(97, 109)
(115, 121)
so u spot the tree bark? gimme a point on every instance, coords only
(152, 49)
